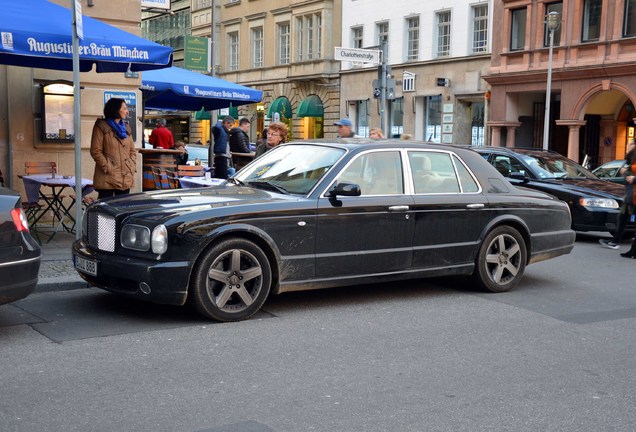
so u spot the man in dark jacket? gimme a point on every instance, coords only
(239, 140)
(221, 148)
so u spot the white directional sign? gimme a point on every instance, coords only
(357, 55)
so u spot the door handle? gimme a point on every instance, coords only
(475, 206)
(398, 208)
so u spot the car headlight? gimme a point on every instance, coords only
(135, 237)
(598, 203)
(159, 239)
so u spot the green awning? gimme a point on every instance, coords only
(202, 114)
(281, 106)
(311, 106)
(234, 112)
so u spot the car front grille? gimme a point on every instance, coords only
(101, 231)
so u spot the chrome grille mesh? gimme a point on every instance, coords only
(102, 230)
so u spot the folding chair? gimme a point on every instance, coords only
(33, 167)
(173, 179)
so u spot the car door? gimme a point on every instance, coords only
(370, 233)
(449, 210)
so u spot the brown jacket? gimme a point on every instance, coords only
(115, 158)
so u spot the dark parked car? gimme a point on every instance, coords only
(19, 252)
(322, 214)
(610, 171)
(594, 203)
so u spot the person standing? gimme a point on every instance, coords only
(220, 131)
(627, 209)
(113, 151)
(630, 180)
(276, 134)
(239, 139)
(161, 137)
(345, 128)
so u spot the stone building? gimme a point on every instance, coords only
(284, 48)
(437, 54)
(593, 80)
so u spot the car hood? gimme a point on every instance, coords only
(174, 202)
(586, 187)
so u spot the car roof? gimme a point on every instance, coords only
(360, 144)
(520, 150)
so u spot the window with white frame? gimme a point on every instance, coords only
(443, 33)
(318, 36)
(257, 47)
(201, 4)
(309, 36)
(383, 32)
(357, 37)
(233, 50)
(412, 38)
(592, 10)
(283, 43)
(518, 29)
(408, 81)
(480, 29)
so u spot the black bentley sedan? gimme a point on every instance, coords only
(321, 214)
(594, 203)
(19, 252)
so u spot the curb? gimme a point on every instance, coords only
(59, 284)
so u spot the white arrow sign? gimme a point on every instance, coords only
(357, 55)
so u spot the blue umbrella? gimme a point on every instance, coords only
(37, 33)
(176, 88)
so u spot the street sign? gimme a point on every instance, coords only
(79, 26)
(356, 55)
(377, 91)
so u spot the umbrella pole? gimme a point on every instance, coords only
(77, 127)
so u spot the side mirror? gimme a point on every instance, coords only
(519, 176)
(344, 189)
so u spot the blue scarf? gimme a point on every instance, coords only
(119, 128)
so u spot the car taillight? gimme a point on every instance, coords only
(20, 219)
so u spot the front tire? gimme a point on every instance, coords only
(501, 260)
(232, 281)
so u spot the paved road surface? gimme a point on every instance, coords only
(556, 354)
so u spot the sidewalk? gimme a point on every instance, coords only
(56, 269)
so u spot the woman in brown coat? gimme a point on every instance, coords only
(113, 150)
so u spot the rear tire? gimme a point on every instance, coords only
(232, 281)
(501, 261)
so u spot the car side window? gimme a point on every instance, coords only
(433, 172)
(377, 173)
(466, 180)
(507, 165)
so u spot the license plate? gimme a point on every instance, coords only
(86, 266)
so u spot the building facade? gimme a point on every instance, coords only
(593, 80)
(284, 48)
(437, 56)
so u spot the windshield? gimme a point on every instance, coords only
(555, 166)
(292, 169)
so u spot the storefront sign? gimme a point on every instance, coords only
(156, 4)
(196, 56)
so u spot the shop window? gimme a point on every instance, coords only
(57, 113)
